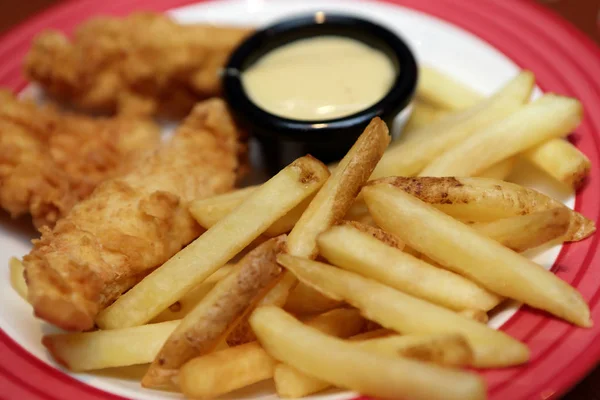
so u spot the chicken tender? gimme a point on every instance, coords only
(49, 161)
(131, 224)
(141, 64)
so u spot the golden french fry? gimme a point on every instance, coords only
(356, 251)
(451, 350)
(484, 200)
(501, 170)
(221, 372)
(211, 210)
(212, 318)
(422, 114)
(181, 308)
(17, 279)
(463, 250)
(443, 91)
(216, 246)
(242, 332)
(377, 333)
(304, 300)
(561, 160)
(475, 315)
(527, 231)
(546, 118)
(409, 157)
(347, 365)
(104, 349)
(337, 194)
(407, 314)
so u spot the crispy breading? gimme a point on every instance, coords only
(142, 64)
(50, 160)
(131, 224)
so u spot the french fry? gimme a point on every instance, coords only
(501, 170)
(216, 246)
(304, 300)
(527, 231)
(407, 314)
(210, 321)
(347, 365)
(105, 349)
(211, 210)
(335, 198)
(421, 115)
(451, 350)
(17, 279)
(359, 252)
(408, 158)
(337, 194)
(546, 118)
(561, 160)
(181, 308)
(463, 250)
(475, 315)
(484, 200)
(377, 333)
(557, 157)
(441, 90)
(221, 372)
(242, 332)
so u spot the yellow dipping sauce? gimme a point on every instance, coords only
(319, 78)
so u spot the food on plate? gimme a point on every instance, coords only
(171, 281)
(557, 157)
(463, 250)
(349, 366)
(443, 91)
(141, 64)
(51, 160)
(451, 350)
(17, 280)
(309, 79)
(208, 323)
(533, 124)
(475, 315)
(131, 224)
(409, 157)
(422, 114)
(527, 231)
(84, 351)
(561, 160)
(501, 170)
(484, 200)
(337, 195)
(223, 371)
(348, 248)
(211, 210)
(182, 307)
(407, 314)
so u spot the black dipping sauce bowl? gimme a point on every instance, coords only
(282, 140)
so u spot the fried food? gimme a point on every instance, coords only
(49, 160)
(131, 224)
(463, 250)
(142, 64)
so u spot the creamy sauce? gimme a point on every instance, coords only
(319, 78)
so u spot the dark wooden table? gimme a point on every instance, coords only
(585, 14)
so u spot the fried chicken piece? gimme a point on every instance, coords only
(141, 64)
(49, 161)
(131, 224)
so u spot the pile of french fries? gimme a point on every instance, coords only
(376, 275)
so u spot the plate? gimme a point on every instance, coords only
(480, 42)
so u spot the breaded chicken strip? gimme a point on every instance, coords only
(132, 224)
(141, 64)
(49, 161)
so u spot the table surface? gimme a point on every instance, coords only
(585, 14)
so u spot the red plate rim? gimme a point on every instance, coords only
(564, 61)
